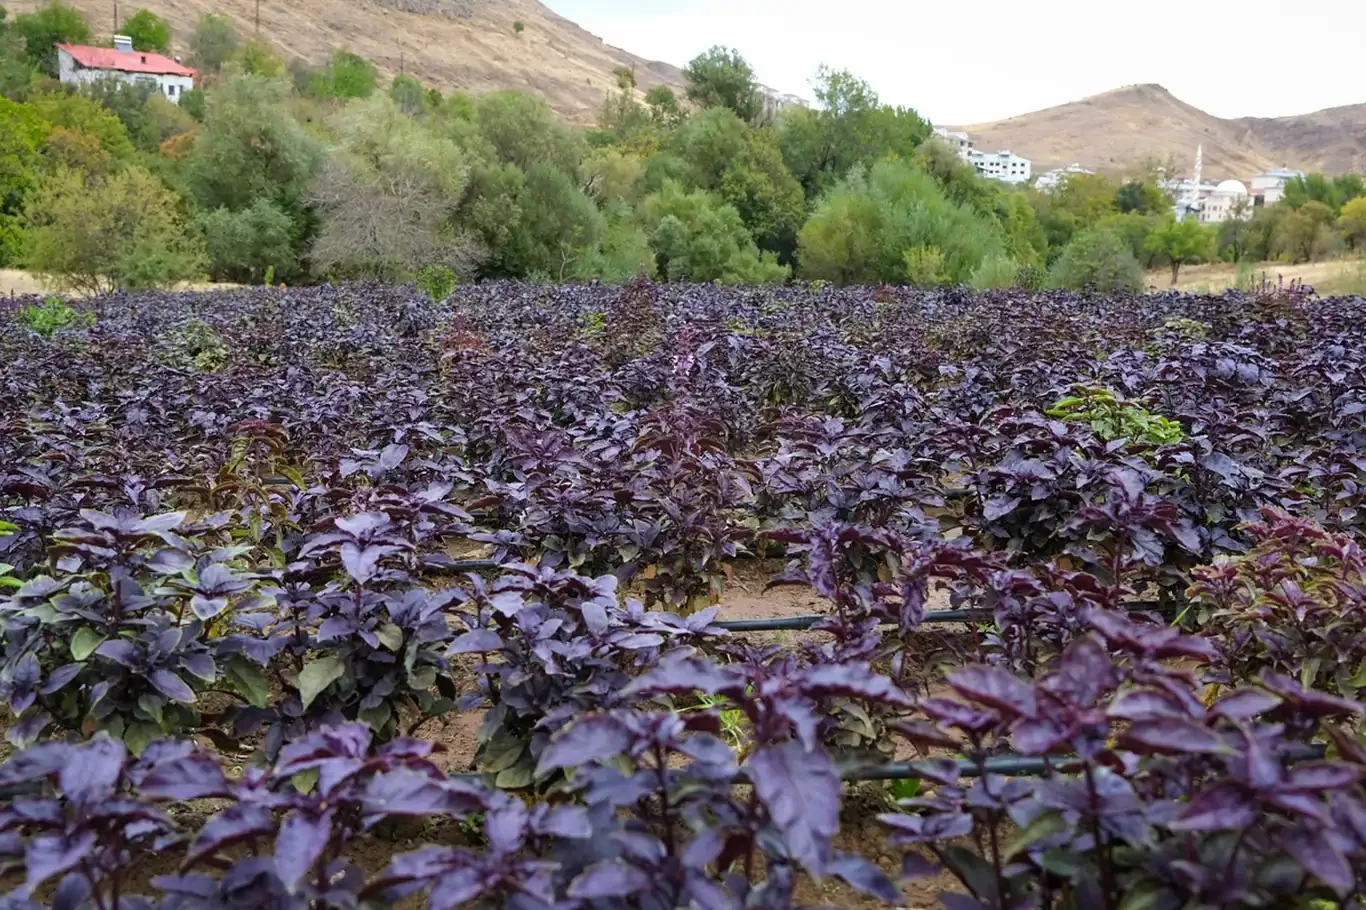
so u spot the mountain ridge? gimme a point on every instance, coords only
(1116, 131)
(469, 45)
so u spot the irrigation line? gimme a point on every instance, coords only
(802, 623)
(1004, 765)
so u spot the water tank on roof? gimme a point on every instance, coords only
(1231, 188)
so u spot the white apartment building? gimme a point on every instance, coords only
(1049, 181)
(1269, 188)
(79, 64)
(1004, 165)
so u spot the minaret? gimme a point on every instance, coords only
(1191, 203)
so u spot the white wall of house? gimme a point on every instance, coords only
(69, 72)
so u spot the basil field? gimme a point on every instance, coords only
(683, 596)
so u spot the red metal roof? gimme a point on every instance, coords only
(106, 58)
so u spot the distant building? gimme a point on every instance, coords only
(775, 102)
(1004, 166)
(81, 65)
(959, 142)
(1229, 201)
(1269, 188)
(1049, 181)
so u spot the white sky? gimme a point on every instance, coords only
(968, 61)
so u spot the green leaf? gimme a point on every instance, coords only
(517, 777)
(500, 753)
(1358, 680)
(84, 643)
(1064, 863)
(305, 781)
(1044, 826)
(250, 681)
(422, 679)
(391, 636)
(1145, 896)
(317, 676)
(151, 705)
(375, 717)
(1310, 671)
(139, 734)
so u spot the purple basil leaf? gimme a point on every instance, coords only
(480, 640)
(595, 738)
(801, 791)
(360, 563)
(91, 772)
(121, 651)
(866, 877)
(172, 686)
(1315, 851)
(49, 855)
(195, 776)
(995, 688)
(609, 879)
(303, 837)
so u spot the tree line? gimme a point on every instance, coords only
(276, 171)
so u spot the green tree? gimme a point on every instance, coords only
(406, 92)
(1313, 188)
(244, 246)
(250, 148)
(863, 229)
(1134, 229)
(346, 75)
(1352, 223)
(387, 196)
(849, 126)
(149, 32)
(623, 252)
(696, 237)
(769, 199)
(664, 106)
(259, 60)
(213, 43)
(79, 112)
(1099, 261)
(22, 136)
(524, 131)
(129, 102)
(1304, 234)
(722, 78)
(559, 226)
(1179, 242)
(613, 176)
(1141, 197)
(54, 24)
(15, 71)
(94, 234)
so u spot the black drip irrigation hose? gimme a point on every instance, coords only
(802, 623)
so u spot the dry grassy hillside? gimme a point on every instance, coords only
(1116, 130)
(465, 44)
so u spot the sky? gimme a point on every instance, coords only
(968, 61)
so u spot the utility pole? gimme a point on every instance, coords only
(116, 17)
(258, 17)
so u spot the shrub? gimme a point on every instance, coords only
(1100, 261)
(149, 32)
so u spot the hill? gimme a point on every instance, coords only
(464, 44)
(1117, 130)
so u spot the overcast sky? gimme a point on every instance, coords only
(968, 61)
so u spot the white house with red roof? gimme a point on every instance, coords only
(81, 65)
